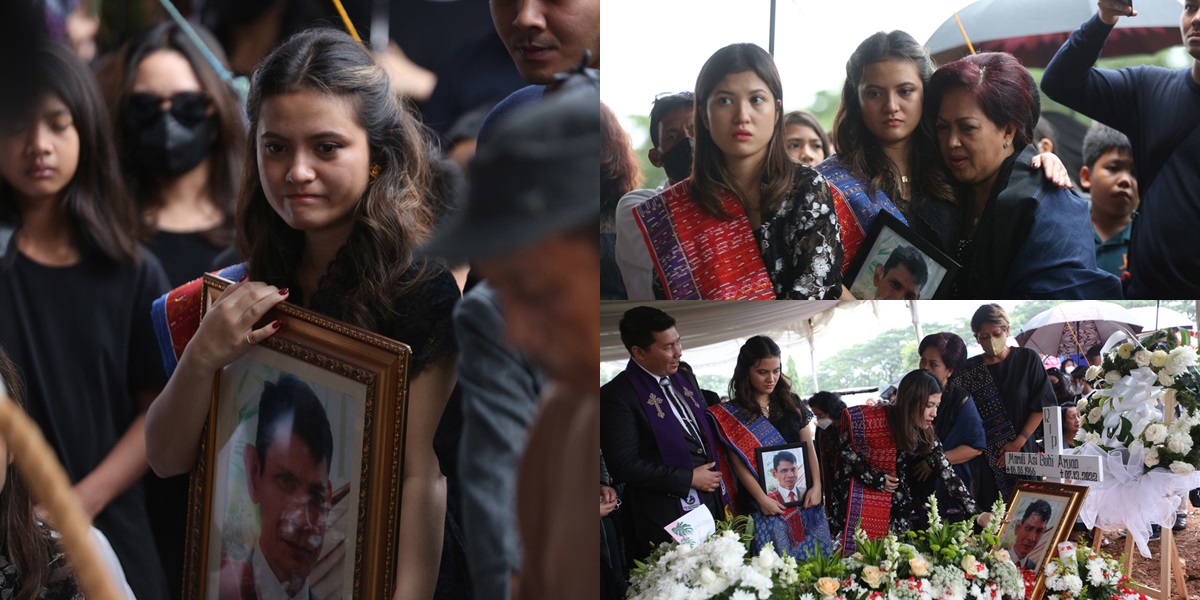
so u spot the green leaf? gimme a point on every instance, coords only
(1126, 429)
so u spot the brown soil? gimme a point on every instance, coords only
(1148, 571)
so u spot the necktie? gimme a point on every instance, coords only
(685, 416)
(791, 496)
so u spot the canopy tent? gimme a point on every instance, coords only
(702, 323)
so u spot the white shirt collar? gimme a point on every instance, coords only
(265, 583)
(656, 377)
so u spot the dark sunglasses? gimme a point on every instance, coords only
(187, 107)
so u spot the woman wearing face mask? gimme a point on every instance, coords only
(180, 138)
(1021, 237)
(957, 424)
(1010, 389)
(828, 407)
(763, 411)
(750, 224)
(880, 449)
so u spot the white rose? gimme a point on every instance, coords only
(1179, 443)
(827, 586)
(1150, 457)
(919, 566)
(1165, 378)
(969, 564)
(1142, 358)
(765, 559)
(1112, 377)
(1158, 359)
(1095, 415)
(1092, 438)
(1125, 350)
(1156, 433)
(872, 576)
(1093, 372)
(1181, 468)
(1002, 556)
(707, 576)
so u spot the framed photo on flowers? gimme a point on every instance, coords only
(297, 480)
(894, 263)
(784, 472)
(1039, 516)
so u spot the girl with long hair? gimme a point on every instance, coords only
(763, 411)
(181, 140)
(335, 197)
(749, 223)
(880, 449)
(887, 156)
(75, 289)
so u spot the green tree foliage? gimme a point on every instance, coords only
(714, 383)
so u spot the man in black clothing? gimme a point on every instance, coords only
(654, 433)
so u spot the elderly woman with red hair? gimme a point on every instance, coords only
(1022, 236)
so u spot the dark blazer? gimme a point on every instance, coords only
(652, 489)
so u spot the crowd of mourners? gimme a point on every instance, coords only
(669, 447)
(759, 204)
(144, 144)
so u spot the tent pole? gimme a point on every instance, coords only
(812, 356)
(916, 319)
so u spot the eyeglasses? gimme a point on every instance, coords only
(188, 108)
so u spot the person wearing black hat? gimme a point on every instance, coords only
(530, 229)
(1093, 356)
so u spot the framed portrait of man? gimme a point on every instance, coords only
(1039, 516)
(295, 493)
(895, 263)
(784, 472)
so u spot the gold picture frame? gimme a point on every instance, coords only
(1027, 528)
(339, 533)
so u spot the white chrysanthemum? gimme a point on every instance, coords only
(1158, 359)
(1181, 468)
(1142, 358)
(1125, 350)
(1179, 443)
(742, 595)
(1093, 372)
(1112, 377)
(1151, 456)
(1165, 378)
(1074, 584)
(1179, 359)
(1156, 433)
(1095, 415)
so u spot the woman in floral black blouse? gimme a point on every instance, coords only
(910, 421)
(749, 224)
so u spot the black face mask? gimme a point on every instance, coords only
(167, 146)
(678, 161)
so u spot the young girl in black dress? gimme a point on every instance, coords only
(75, 295)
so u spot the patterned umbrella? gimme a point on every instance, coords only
(1073, 327)
(1033, 30)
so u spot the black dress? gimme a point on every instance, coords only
(82, 339)
(184, 256)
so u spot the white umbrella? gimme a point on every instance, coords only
(1154, 318)
(1073, 327)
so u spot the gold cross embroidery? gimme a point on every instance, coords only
(655, 401)
(691, 396)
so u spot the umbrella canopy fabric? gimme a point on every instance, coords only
(1033, 30)
(1073, 327)
(1153, 318)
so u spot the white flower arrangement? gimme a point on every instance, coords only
(1126, 409)
(1080, 573)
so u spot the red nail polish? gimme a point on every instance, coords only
(276, 323)
(283, 292)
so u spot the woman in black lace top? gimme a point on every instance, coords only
(910, 420)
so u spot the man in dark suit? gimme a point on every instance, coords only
(654, 434)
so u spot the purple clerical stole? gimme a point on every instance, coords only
(668, 431)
